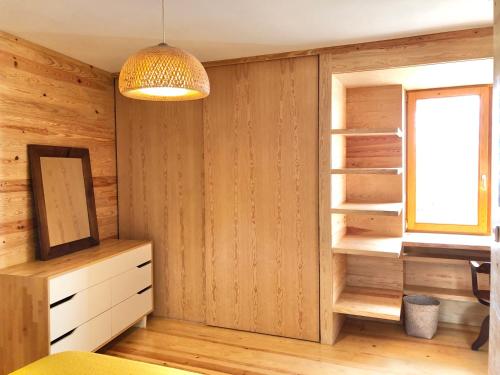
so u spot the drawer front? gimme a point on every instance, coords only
(131, 310)
(79, 309)
(87, 337)
(129, 283)
(72, 282)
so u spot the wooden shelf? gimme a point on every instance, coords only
(367, 132)
(370, 302)
(382, 246)
(386, 209)
(390, 171)
(442, 293)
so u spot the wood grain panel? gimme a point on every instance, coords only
(424, 49)
(442, 275)
(374, 272)
(24, 315)
(465, 313)
(47, 98)
(160, 178)
(329, 323)
(374, 188)
(421, 49)
(80, 259)
(332, 193)
(372, 108)
(374, 225)
(261, 168)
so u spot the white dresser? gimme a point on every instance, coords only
(79, 301)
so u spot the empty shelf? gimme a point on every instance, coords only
(370, 302)
(382, 246)
(391, 171)
(387, 209)
(367, 132)
(442, 293)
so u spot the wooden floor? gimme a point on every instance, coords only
(364, 348)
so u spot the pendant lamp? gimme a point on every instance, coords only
(163, 73)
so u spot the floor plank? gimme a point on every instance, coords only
(364, 347)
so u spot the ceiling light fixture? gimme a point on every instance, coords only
(163, 73)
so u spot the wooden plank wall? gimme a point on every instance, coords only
(160, 180)
(47, 98)
(261, 206)
(374, 107)
(494, 344)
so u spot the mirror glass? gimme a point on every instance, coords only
(65, 199)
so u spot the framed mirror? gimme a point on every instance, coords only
(64, 202)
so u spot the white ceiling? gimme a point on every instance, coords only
(105, 32)
(450, 74)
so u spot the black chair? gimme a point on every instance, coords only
(483, 296)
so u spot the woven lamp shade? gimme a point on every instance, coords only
(163, 73)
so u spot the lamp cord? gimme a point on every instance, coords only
(163, 18)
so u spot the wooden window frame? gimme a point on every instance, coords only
(484, 195)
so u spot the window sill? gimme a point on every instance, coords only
(447, 241)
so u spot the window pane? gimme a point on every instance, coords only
(447, 159)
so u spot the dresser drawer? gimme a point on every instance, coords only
(80, 308)
(87, 337)
(131, 310)
(72, 282)
(129, 283)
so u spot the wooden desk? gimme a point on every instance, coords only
(437, 265)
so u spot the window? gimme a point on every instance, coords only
(448, 152)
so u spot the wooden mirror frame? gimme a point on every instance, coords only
(44, 250)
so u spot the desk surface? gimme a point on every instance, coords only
(447, 241)
(449, 246)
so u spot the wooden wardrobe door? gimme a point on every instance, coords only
(261, 197)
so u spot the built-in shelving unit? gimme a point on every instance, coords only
(370, 302)
(370, 245)
(364, 270)
(367, 201)
(386, 209)
(364, 132)
(390, 171)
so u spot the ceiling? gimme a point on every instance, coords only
(104, 32)
(449, 74)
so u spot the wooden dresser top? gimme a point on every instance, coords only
(73, 261)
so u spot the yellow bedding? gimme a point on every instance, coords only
(83, 363)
